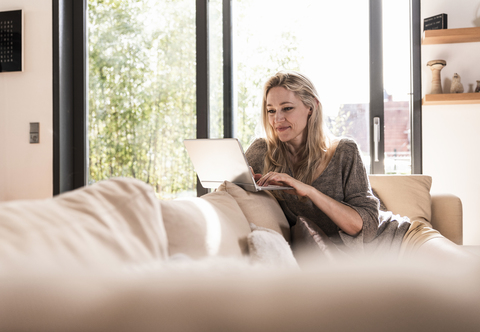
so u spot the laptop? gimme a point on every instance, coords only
(222, 159)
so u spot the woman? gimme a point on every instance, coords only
(331, 186)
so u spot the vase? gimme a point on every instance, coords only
(436, 66)
(457, 86)
(477, 89)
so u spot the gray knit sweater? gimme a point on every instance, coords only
(345, 180)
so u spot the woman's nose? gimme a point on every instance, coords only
(279, 116)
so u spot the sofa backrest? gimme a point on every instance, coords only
(111, 222)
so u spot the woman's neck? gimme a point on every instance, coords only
(294, 152)
(295, 147)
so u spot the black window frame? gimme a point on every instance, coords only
(70, 139)
(70, 88)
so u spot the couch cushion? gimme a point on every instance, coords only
(110, 222)
(211, 225)
(268, 248)
(260, 208)
(406, 195)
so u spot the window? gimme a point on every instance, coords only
(146, 78)
(142, 92)
(396, 76)
(332, 50)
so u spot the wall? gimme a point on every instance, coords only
(451, 134)
(26, 169)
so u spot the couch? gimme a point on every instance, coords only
(410, 196)
(112, 257)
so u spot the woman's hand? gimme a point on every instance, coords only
(344, 216)
(282, 179)
(256, 177)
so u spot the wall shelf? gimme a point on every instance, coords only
(447, 36)
(452, 99)
(450, 36)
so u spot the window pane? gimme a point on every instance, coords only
(142, 92)
(326, 40)
(396, 78)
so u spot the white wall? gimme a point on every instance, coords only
(451, 133)
(26, 169)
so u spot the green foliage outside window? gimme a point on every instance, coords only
(142, 92)
(142, 88)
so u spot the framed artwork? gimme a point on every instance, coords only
(11, 41)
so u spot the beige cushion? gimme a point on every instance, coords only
(406, 195)
(110, 222)
(260, 208)
(211, 225)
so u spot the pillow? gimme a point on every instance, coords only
(211, 225)
(112, 221)
(310, 245)
(260, 208)
(406, 195)
(268, 248)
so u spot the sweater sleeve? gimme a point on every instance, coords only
(256, 155)
(357, 192)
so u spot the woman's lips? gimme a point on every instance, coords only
(280, 129)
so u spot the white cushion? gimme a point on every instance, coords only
(268, 248)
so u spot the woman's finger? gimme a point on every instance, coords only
(283, 179)
(256, 177)
(272, 178)
(264, 179)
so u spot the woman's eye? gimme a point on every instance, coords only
(288, 108)
(271, 111)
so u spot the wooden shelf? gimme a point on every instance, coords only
(452, 99)
(447, 36)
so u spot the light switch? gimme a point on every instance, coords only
(34, 132)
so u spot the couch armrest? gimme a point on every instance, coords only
(447, 216)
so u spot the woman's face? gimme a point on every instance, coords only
(287, 115)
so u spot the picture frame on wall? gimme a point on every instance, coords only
(11, 41)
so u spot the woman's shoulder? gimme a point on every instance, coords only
(256, 154)
(346, 151)
(345, 144)
(259, 144)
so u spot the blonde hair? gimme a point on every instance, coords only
(318, 141)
